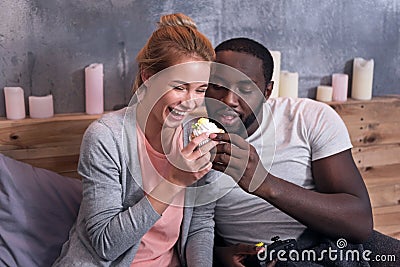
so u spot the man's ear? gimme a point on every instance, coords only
(268, 90)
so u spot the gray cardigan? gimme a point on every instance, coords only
(114, 214)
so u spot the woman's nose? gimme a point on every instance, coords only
(189, 101)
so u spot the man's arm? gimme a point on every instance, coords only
(339, 208)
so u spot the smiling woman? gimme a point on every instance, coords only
(128, 180)
(170, 94)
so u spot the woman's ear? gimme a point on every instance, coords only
(145, 75)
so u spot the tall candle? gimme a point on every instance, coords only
(41, 107)
(94, 98)
(324, 93)
(289, 84)
(339, 86)
(363, 73)
(276, 55)
(15, 103)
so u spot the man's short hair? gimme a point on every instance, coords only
(251, 47)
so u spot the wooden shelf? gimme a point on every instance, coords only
(51, 143)
(4, 122)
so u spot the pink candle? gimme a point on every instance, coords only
(339, 86)
(94, 89)
(15, 103)
(41, 107)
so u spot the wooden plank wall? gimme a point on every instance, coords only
(51, 143)
(374, 128)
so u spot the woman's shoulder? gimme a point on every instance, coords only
(110, 122)
(113, 119)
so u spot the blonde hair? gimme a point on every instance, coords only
(177, 36)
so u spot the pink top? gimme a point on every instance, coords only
(157, 246)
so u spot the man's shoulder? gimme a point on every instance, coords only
(294, 107)
(295, 103)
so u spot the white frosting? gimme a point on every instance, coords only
(205, 126)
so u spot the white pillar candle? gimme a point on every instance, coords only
(363, 73)
(288, 84)
(41, 107)
(276, 55)
(324, 93)
(94, 98)
(15, 103)
(339, 86)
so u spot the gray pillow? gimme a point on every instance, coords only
(37, 209)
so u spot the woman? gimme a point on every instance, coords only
(134, 165)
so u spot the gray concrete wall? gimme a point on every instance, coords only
(45, 44)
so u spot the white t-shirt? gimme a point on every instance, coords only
(301, 130)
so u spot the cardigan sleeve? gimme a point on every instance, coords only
(111, 228)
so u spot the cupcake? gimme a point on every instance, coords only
(204, 125)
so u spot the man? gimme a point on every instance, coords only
(311, 183)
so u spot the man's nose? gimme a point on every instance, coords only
(230, 98)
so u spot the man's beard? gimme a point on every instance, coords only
(247, 122)
(241, 129)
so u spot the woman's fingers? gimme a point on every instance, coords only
(205, 169)
(203, 149)
(194, 143)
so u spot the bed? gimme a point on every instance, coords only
(40, 190)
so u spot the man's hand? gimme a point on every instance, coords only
(235, 255)
(238, 159)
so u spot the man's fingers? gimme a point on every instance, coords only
(218, 167)
(222, 159)
(234, 151)
(226, 159)
(245, 249)
(224, 148)
(228, 170)
(233, 139)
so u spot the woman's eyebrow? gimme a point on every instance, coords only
(186, 83)
(179, 82)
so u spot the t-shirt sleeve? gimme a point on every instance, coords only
(328, 134)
